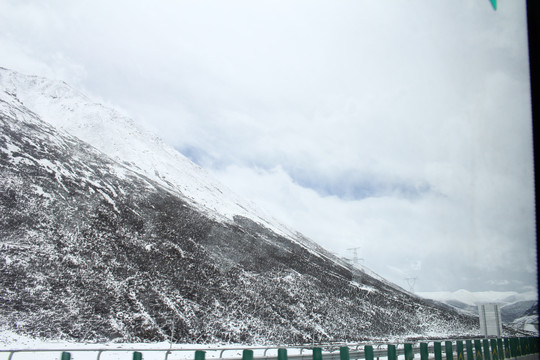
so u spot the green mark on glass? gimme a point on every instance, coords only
(494, 3)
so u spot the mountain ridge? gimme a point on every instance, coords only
(122, 139)
(94, 248)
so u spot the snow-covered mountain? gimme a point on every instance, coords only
(108, 233)
(513, 305)
(120, 138)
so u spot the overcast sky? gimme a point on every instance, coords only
(402, 128)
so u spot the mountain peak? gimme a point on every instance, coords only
(121, 138)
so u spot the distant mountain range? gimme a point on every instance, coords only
(107, 233)
(517, 309)
(474, 298)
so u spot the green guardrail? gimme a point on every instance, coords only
(473, 349)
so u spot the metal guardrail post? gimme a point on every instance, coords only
(424, 351)
(478, 350)
(507, 353)
(368, 352)
(470, 351)
(437, 350)
(459, 350)
(392, 354)
(513, 347)
(200, 355)
(500, 348)
(409, 354)
(494, 350)
(485, 343)
(524, 346)
(344, 353)
(247, 354)
(519, 347)
(449, 350)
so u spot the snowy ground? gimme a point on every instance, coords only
(150, 351)
(117, 351)
(111, 351)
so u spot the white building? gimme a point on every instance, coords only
(490, 320)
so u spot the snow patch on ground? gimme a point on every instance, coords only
(527, 323)
(363, 287)
(39, 190)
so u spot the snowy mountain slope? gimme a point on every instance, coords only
(527, 323)
(127, 255)
(518, 309)
(118, 136)
(92, 248)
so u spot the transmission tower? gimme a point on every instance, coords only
(355, 259)
(411, 281)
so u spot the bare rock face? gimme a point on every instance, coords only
(94, 249)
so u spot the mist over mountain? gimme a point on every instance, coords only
(107, 233)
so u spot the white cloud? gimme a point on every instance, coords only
(403, 128)
(397, 236)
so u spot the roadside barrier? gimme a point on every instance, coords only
(473, 349)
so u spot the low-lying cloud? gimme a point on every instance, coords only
(400, 128)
